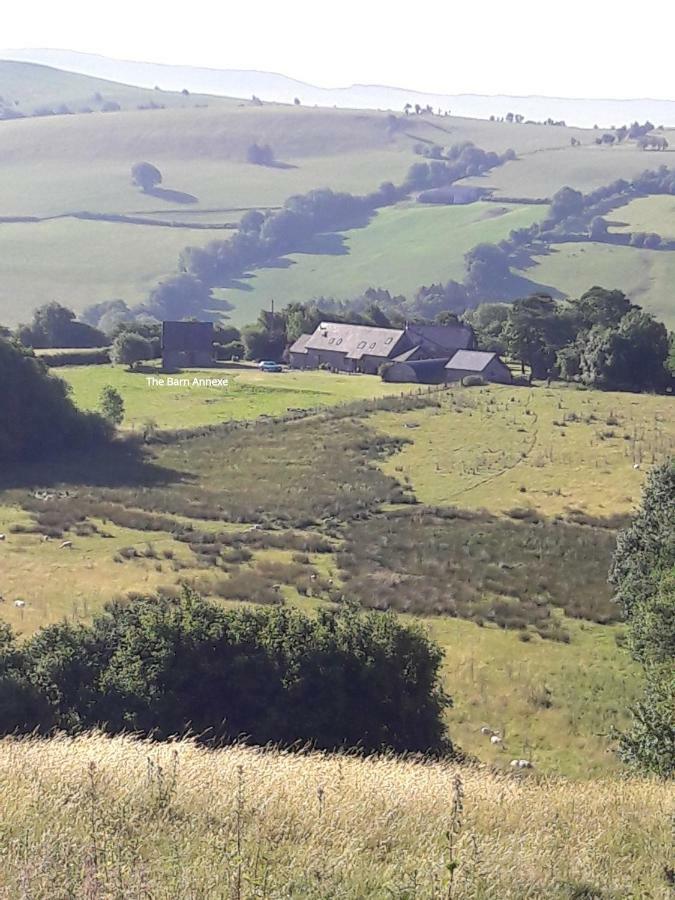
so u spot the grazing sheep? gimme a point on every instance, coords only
(19, 603)
(487, 731)
(45, 538)
(66, 545)
(495, 739)
(3, 537)
(521, 764)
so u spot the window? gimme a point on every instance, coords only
(372, 346)
(360, 345)
(389, 340)
(339, 341)
(332, 340)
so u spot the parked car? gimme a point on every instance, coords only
(268, 365)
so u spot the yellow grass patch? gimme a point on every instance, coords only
(102, 817)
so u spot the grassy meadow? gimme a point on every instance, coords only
(249, 393)
(134, 819)
(523, 653)
(552, 450)
(646, 276)
(403, 247)
(79, 262)
(540, 174)
(57, 166)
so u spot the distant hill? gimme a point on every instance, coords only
(28, 89)
(279, 88)
(74, 228)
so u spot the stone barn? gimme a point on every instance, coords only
(417, 371)
(187, 345)
(477, 362)
(364, 348)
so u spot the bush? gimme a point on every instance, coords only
(162, 666)
(59, 358)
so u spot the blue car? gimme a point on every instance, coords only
(268, 365)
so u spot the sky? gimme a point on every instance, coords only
(574, 48)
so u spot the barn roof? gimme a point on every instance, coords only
(471, 360)
(355, 341)
(187, 335)
(405, 356)
(300, 346)
(428, 367)
(441, 338)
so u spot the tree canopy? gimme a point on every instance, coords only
(39, 420)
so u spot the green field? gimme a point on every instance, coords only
(647, 214)
(248, 394)
(79, 262)
(497, 448)
(59, 165)
(553, 450)
(541, 173)
(646, 276)
(402, 248)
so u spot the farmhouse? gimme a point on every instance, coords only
(187, 344)
(363, 348)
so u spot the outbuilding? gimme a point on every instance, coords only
(477, 362)
(187, 345)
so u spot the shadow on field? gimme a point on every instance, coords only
(171, 196)
(123, 463)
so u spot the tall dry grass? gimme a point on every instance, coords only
(95, 817)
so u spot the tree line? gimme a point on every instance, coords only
(643, 572)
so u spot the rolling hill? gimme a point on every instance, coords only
(59, 174)
(272, 86)
(26, 88)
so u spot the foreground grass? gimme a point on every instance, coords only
(248, 394)
(97, 817)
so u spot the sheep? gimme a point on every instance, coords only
(3, 537)
(19, 604)
(521, 764)
(66, 545)
(45, 538)
(495, 739)
(487, 731)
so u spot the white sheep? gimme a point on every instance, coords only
(3, 537)
(495, 739)
(66, 545)
(19, 604)
(521, 764)
(487, 731)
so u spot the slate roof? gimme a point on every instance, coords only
(405, 356)
(471, 360)
(354, 341)
(441, 337)
(187, 335)
(300, 346)
(428, 368)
